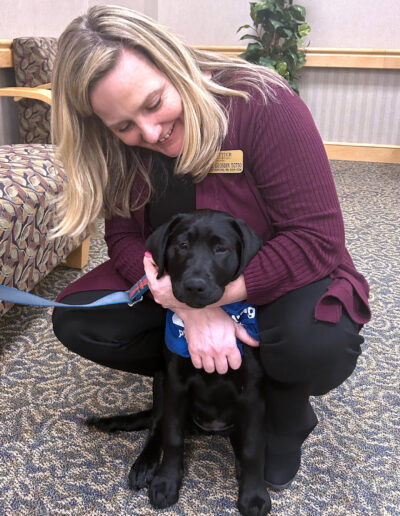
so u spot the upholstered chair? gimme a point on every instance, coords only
(31, 177)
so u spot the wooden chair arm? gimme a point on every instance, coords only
(18, 92)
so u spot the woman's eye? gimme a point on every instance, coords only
(155, 106)
(126, 127)
(183, 245)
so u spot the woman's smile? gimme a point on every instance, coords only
(166, 137)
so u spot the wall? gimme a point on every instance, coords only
(353, 23)
(338, 23)
(348, 105)
(354, 106)
(19, 18)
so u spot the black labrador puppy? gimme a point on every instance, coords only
(202, 252)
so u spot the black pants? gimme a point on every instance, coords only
(301, 356)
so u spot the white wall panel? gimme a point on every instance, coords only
(355, 106)
(353, 23)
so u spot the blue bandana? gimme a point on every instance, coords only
(240, 312)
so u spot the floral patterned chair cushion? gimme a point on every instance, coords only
(29, 180)
(33, 62)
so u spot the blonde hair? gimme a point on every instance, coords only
(100, 168)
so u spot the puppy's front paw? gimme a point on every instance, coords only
(142, 471)
(164, 491)
(254, 503)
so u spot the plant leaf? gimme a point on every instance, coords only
(251, 36)
(281, 67)
(304, 29)
(276, 24)
(247, 26)
(265, 61)
(299, 12)
(279, 26)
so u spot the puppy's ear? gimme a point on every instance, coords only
(157, 243)
(250, 244)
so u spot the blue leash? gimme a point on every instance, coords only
(131, 297)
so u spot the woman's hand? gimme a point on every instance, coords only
(161, 289)
(211, 335)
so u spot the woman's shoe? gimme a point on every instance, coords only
(281, 469)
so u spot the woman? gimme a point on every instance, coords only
(140, 120)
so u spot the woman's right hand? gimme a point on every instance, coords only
(211, 336)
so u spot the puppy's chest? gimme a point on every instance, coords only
(215, 400)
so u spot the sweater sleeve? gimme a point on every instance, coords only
(126, 247)
(291, 170)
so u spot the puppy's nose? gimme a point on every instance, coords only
(195, 285)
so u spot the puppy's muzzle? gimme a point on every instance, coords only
(197, 292)
(195, 286)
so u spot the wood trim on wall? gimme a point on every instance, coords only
(353, 58)
(6, 60)
(332, 57)
(316, 57)
(363, 152)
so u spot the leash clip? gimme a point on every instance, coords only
(135, 301)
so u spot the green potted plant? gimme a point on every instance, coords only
(277, 32)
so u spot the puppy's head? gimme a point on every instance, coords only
(202, 252)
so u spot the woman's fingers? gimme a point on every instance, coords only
(234, 359)
(242, 335)
(150, 269)
(196, 360)
(208, 364)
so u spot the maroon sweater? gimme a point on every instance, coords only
(286, 193)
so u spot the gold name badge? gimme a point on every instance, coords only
(228, 162)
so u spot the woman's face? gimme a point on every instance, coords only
(140, 105)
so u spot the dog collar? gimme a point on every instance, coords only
(136, 292)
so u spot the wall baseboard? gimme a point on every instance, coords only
(363, 152)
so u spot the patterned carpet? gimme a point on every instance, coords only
(51, 464)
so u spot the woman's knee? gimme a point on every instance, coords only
(113, 325)
(102, 340)
(73, 329)
(320, 354)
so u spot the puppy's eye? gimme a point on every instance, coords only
(220, 249)
(183, 245)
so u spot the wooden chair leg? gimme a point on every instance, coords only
(79, 257)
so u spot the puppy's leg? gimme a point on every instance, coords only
(249, 442)
(164, 488)
(236, 443)
(143, 469)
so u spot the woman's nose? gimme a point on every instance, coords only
(150, 131)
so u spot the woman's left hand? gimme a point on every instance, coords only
(161, 289)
